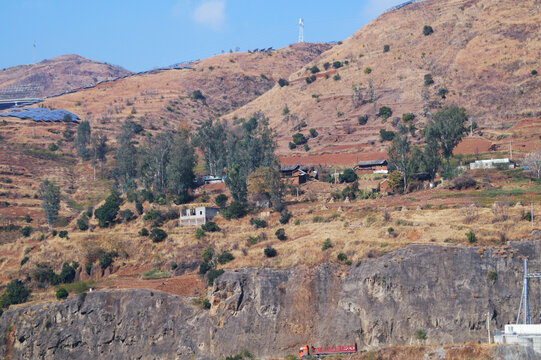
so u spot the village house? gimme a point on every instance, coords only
(296, 174)
(197, 216)
(371, 167)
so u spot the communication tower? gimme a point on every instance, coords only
(301, 30)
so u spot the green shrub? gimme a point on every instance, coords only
(292, 146)
(204, 267)
(106, 213)
(144, 232)
(299, 139)
(205, 303)
(427, 30)
(53, 147)
(443, 92)
(199, 233)
(337, 64)
(428, 80)
(534, 72)
(252, 240)
(235, 210)
(157, 235)
(492, 275)
(82, 223)
(139, 207)
(258, 223)
(16, 293)
(24, 260)
(390, 230)
(54, 232)
(326, 65)
(270, 252)
(471, 237)
(408, 117)
(386, 48)
(213, 275)
(26, 231)
(342, 257)
(106, 259)
(310, 79)
(336, 77)
(61, 293)
(367, 70)
(314, 69)
(385, 112)
(67, 275)
(207, 254)
(386, 135)
(326, 245)
(313, 133)
(225, 257)
(420, 335)
(197, 95)
(362, 119)
(348, 176)
(306, 147)
(283, 82)
(210, 227)
(126, 215)
(284, 217)
(318, 219)
(88, 268)
(63, 234)
(28, 218)
(221, 200)
(281, 234)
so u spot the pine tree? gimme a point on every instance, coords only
(83, 139)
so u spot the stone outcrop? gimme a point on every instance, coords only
(442, 290)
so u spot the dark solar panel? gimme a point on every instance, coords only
(42, 114)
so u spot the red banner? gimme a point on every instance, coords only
(334, 349)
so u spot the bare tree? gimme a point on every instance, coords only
(533, 161)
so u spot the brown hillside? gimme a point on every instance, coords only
(54, 76)
(482, 52)
(162, 99)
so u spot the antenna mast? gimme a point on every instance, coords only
(301, 30)
(34, 54)
(524, 306)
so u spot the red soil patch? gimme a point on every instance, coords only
(184, 285)
(473, 145)
(332, 159)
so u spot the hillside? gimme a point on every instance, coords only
(54, 76)
(163, 99)
(482, 52)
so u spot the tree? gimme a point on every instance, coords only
(16, 293)
(432, 158)
(158, 235)
(211, 138)
(399, 157)
(283, 82)
(83, 139)
(156, 159)
(180, 168)
(50, 201)
(221, 200)
(236, 182)
(126, 157)
(107, 213)
(266, 181)
(447, 130)
(357, 98)
(348, 176)
(533, 161)
(99, 150)
(299, 139)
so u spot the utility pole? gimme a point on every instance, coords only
(511, 150)
(488, 327)
(531, 213)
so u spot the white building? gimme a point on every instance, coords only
(492, 163)
(528, 335)
(197, 216)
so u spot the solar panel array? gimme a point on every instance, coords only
(42, 114)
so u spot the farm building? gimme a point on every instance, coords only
(197, 216)
(371, 167)
(492, 163)
(296, 174)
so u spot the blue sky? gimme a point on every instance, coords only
(140, 35)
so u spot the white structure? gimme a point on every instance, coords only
(521, 334)
(197, 216)
(490, 164)
(301, 30)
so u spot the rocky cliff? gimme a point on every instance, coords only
(444, 291)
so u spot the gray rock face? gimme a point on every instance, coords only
(444, 291)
